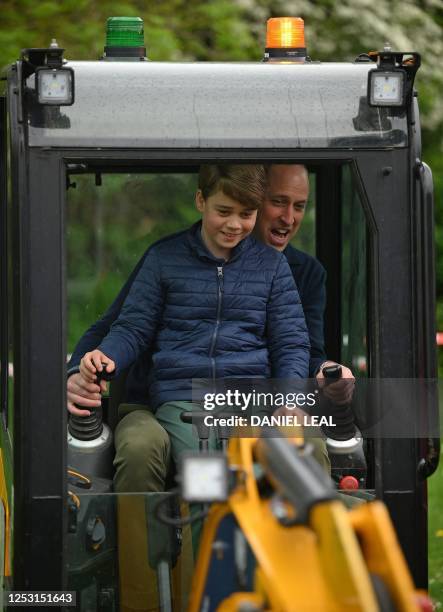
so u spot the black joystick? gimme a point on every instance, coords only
(342, 416)
(344, 441)
(198, 419)
(89, 427)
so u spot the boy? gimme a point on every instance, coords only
(211, 302)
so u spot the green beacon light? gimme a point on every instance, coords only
(125, 39)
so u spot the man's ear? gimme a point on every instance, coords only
(199, 200)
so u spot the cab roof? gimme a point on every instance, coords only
(206, 105)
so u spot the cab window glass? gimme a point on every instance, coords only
(112, 220)
(305, 238)
(354, 349)
(8, 400)
(6, 311)
(4, 357)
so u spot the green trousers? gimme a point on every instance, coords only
(145, 443)
(142, 452)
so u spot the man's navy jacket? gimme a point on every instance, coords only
(310, 278)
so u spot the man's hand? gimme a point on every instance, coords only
(94, 362)
(84, 394)
(339, 392)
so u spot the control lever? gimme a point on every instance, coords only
(343, 416)
(224, 431)
(90, 448)
(89, 427)
(344, 441)
(197, 418)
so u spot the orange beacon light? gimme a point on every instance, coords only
(285, 39)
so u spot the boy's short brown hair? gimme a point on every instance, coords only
(244, 183)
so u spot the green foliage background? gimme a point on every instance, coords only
(109, 227)
(234, 30)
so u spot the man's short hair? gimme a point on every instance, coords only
(244, 183)
(268, 167)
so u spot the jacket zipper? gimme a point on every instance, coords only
(217, 322)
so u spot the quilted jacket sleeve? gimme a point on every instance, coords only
(136, 326)
(288, 339)
(98, 330)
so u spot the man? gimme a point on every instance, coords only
(279, 220)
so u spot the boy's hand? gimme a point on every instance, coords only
(82, 394)
(340, 391)
(92, 363)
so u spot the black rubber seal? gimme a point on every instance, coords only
(139, 52)
(285, 53)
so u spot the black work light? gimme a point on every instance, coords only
(204, 477)
(386, 87)
(391, 83)
(55, 86)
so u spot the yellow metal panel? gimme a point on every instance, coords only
(292, 559)
(216, 514)
(324, 566)
(383, 554)
(342, 562)
(234, 601)
(4, 500)
(138, 588)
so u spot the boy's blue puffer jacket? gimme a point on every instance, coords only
(203, 317)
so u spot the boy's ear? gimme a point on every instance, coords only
(199, 201)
